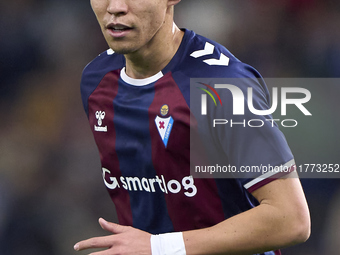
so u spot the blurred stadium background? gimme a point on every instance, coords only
(51, 190)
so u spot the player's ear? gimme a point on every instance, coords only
(173, 2)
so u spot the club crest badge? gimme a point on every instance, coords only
(164, 110)
(164, 127)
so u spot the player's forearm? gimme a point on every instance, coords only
(260, 229)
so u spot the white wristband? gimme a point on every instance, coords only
(168, 244)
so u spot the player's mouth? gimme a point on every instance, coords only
(118, 30)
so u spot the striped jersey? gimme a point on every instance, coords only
(147, 129)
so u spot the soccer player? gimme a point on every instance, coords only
(137, 99)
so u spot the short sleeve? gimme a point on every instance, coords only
(243, 143)
(253, 143)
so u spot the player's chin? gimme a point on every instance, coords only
(122, 49)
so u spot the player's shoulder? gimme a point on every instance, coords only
(205, 57)
(105, 62)
(96, 70)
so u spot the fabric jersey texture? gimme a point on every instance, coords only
(142, 130)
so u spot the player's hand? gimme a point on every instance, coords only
(124, 241)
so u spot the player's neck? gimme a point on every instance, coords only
(155, 56)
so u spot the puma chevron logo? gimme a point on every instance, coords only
(223, 61)
(208, 50)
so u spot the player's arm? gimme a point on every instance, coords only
(282, 219)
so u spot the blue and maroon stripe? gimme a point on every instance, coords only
(101, 100)
(205, 208)
(131, 107)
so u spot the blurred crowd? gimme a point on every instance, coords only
(51, 190)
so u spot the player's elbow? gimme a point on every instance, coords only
(295, 225)
(305, 228)
(299, 229)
